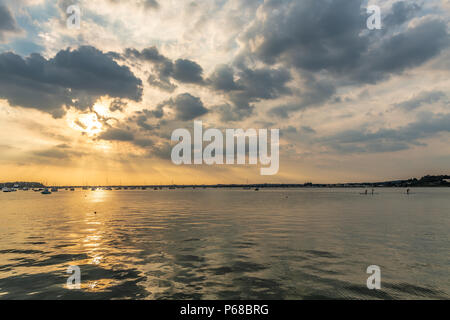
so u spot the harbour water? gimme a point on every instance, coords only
(225, 244)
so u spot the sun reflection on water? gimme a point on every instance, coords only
(97, 196)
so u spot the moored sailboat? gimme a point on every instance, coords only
(46, 191)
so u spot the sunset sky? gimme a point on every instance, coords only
(97, 105)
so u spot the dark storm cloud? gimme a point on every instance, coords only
(262, 83)
(7, 22)
(308, 130)
(187, 107)
(127, 132)
(72, 78)
(144, 120)
(115, 134)
(162, 83)
(250, 86)
(242, 86)
(161, 151)
(117, 105)
(229, 112)
(289, 129)
(222, 79)
(401, 12)
(330, 38)
(158, 112)
(423, 98)
(403, 51)
(166, 70)
(151, 4)
(147, 124)
(141, 121)
(141, 136)
(187, 71)
(144, 143)
(315, 92)
(388, 140)
(309, 34)
(150, 54)
(52, 153)
(59, 152)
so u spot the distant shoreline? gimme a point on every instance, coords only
(426, 181)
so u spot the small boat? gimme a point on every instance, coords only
(256, 189)
(155, 188)
(6, 189)
(46, 192)
(72, 189)
(54, 190)
(25, 189)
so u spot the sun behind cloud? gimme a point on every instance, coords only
(87, 123)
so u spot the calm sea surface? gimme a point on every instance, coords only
(225, 244)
